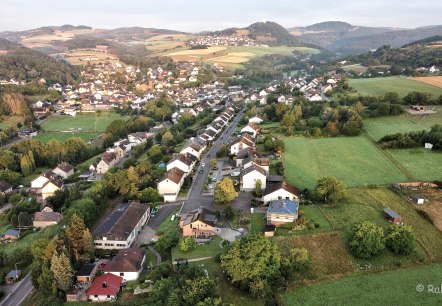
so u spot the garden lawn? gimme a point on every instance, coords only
(380, 86)
(258, 222)
(397, 287)
(314, 214)
(169, 227)
(424, 164)
(381, 126)
(354, 160)
(84, 121)
(204, 250)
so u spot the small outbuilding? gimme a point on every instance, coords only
(12, 276)
(392, 216)
(269, 230)
(86, 273)
(418, 199)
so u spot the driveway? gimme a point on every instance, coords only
(242, 202)
(229, 234)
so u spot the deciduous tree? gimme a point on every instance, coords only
(225, 191)
(367, 240)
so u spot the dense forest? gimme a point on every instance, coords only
(30, 65)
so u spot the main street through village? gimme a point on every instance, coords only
(195, 199)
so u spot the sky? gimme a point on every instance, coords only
(200, 15)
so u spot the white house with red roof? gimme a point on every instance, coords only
(105, 288)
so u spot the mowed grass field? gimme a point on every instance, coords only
(381, 126)
(85, 121)
(423, 164)
(354, 160)
(379, 86)
(61, 136)
(396, 287)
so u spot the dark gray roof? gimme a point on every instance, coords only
(86, 270)
(391, 213)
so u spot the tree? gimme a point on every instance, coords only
(298, 259)
(225, 191)
(400, 239)
(62, 271)
(229, 213)
(149, 195)
(258, 189)
(25, 166)
(88, 246)
(46, 282)
(213, 163)
(330, 190)
(167, 139)
(367, 240)
(187, 244)
(251, 259)
(198, 289)
(74, 233)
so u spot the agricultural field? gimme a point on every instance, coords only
(320, 247)
(356, 68)
(379, 86)
(381, 126)
(398, 287)
(87, 122)
(232, 55)
(354, 160)
(10, 121)
(434, 80)
(423, 164)
(80, 57)
(48, 39)
(367, 204)
(164, 42)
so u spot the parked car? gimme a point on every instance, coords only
(203, 164)
(153, 212)
(235, 173)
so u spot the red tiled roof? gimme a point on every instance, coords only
(107, 284)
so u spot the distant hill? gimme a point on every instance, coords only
(400, 58)
(346, 39)
(269, 33)
(432, 40)
(27, 64)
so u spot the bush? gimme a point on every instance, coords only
(187, 244)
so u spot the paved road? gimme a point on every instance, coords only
(194, 199)
(20, 292)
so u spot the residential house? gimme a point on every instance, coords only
(45, 185)
(242, 143)
(128, 264)
(256, 120)
(86, 273)
(5, 188)
(121, 227)
(280, 212)
(46, 218)
(250, 176)
(252, 128)
(194, 148)
(199, 223)
(64, 170)
(170, 184)
(280, 191)
(11, 234)
(105, 288)
(108, 160)
(244, 154)
(182, 162)
(262, 162)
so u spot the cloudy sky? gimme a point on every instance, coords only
(198, 15)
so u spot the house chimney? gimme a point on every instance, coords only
(104, 285)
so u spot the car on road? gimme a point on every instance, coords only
(235, 173)
(201, 170)
(203, 164)
(154, 211)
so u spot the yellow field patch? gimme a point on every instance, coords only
(434, 80)
(230, 59)
(179, 37)
(80, 57)
(198, 51)
(241, 54)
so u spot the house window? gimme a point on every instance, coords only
(108, 296)
(95, 296)
(279, 198)
(122, 274)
